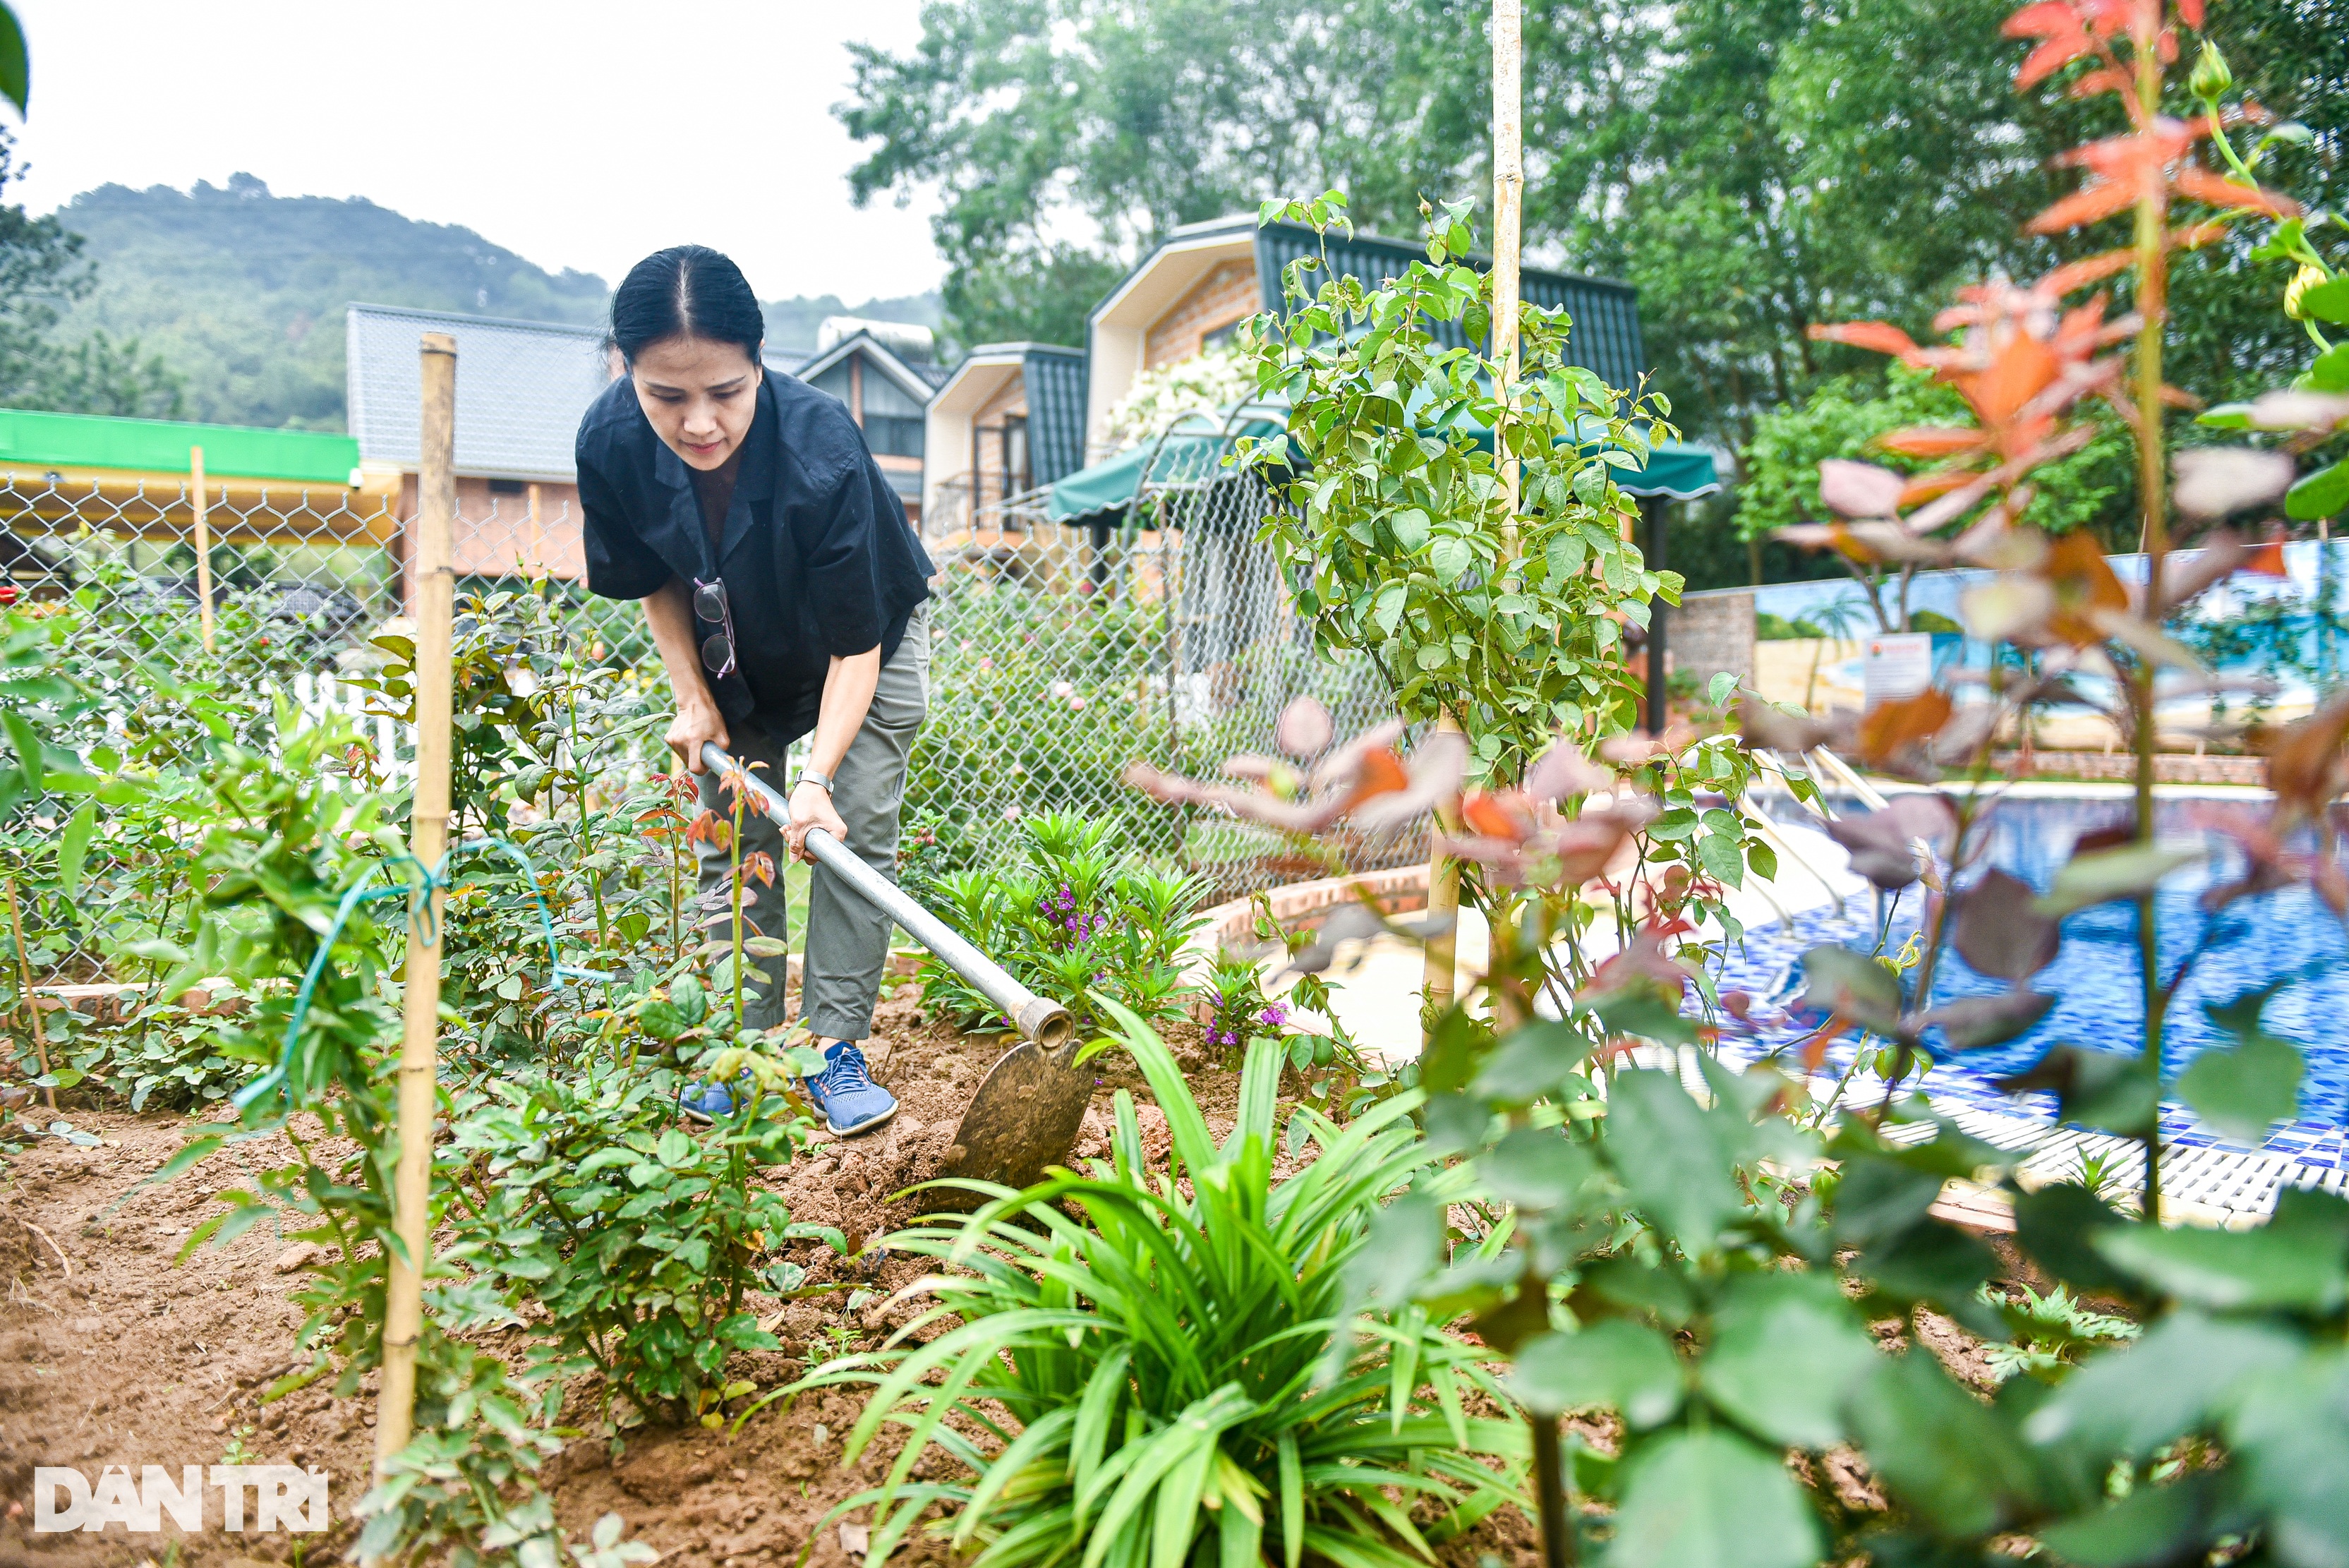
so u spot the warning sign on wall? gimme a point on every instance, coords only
(1896, 665)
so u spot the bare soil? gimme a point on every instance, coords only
(112, 1354)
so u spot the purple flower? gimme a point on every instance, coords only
(1273, 1016)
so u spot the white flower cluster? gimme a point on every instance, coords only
(1210, 380)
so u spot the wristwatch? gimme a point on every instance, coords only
(821, 781)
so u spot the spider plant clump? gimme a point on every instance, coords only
(1183, 1359)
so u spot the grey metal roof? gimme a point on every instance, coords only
(1604, 336)
(522, 386)
(908, 376)
(1055, 378)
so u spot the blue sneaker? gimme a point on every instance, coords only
(708, 1101)
(850, 1100)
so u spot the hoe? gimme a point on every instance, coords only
(1031, 1102)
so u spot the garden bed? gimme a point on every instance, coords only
(131, 1360)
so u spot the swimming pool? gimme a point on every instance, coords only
(2287, 938)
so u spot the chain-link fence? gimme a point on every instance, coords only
(1061, 652)
(1165, 632)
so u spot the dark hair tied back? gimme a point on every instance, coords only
(685, 291)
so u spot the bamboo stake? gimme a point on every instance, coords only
(1436, 977)
(25, 984)
(203, 545)
(1508, 217)
(1440, 963)
(436, 494)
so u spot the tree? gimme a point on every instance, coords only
(1068, 135)
(42, 273)
(98, 375)
(1754, 166)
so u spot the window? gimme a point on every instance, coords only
(834, 381)
(1015, 455)
(891, 435)
(506, 487)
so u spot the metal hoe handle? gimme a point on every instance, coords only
(1045, 1021)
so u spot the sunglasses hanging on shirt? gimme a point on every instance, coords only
(710, 607)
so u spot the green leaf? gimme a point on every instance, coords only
(1958, 1462)
(1614, 1364)
(1451, 557)
(1852, 984)
(29, 754)
(2178, 1377)
(2057, 1226)
(2107, 1090)
(2102, 875)
(2328, 301)
(1387, 612)
(1566, 554)
(1709, 1499)
(2330, 371)
(1539, 1167)
(1646, 1010)
(1411, 527)
(1663, 1149)
(675, 1148)
(692, 1002)
(73, 846)
(2153, 1524)
(192, 1153)
(2289, 1434)
(661, 1020)
(1719, 854)
(1674, 825)
(2231, 1270)
(1717, 693)
(16, 61)
(2244, 1091)
(1786, 1351)
(2322, 493)
(1533, 1063)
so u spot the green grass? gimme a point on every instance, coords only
(1190, 1375)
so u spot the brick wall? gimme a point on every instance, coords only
(1227, 293)
(496, 535)
(1710, 633)
(2168, 767)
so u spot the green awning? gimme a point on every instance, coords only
(1099, 493)
(1189, 453)
(35, 439)
(1674, 469)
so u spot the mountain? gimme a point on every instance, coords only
(242, 291)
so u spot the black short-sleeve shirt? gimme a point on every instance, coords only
(816, 554)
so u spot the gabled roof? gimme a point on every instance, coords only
(1054, 377)
(910, 378)
(1605, 335)
(522, 386)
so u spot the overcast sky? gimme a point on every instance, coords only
(579, 133)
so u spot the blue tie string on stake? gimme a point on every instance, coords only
(277, 1080)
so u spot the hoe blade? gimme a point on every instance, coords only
(1024, 1118)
